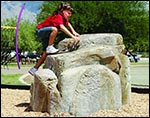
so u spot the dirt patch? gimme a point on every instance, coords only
(15, 103)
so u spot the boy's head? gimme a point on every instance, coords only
(65, 9)
(66, 6)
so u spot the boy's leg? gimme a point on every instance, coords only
(50, 49)
(52, 36)
(42, 34)
(38, 64)
(48, 35)
(41, 60)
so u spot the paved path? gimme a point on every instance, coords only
(23, 70)
(15, 70)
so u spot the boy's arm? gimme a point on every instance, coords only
(72, 30)
(66, 31)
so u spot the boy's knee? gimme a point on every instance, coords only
(55, 29)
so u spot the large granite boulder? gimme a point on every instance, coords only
(95, 76)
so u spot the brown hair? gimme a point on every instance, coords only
(61, 7)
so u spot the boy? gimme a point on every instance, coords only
(48, 30)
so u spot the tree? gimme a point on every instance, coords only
(130, 19)
(26, 35)
(28, 41)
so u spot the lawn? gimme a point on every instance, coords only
(14, 65)
(11, 79)
(140, 75)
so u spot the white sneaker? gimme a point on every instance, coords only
(51, 49)
(32, 71)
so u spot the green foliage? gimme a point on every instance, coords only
(26, 35)
(28, 41)
(8, 35)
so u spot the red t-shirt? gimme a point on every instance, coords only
(54, 20)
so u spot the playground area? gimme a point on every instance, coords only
(18, 106)
(139, 73)
(76, 88)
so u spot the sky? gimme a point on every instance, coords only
(11, 9)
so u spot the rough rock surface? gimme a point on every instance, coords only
(94, 77)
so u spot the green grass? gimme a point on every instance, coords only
(14, 65)
(11, 79)
(140, 75)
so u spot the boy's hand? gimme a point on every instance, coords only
(77, 38)
(74, 44)
(76, 34)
